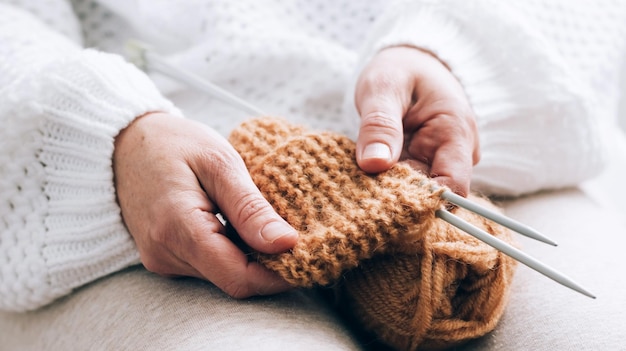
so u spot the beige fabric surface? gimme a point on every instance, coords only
(590, 227)
(543, 315)
(137, 310)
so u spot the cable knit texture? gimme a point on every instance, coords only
(541, 75)
(410, 278)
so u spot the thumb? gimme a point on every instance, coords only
(381, 107)
(255, 220)
(227, 182)
(252, 216)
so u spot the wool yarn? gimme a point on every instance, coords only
(412, 280)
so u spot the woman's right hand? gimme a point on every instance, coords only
(172, 177)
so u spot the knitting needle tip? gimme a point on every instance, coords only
(496, 217)
(513, 252)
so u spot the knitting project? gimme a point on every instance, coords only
(412, 280)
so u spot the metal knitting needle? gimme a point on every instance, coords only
(495, 216)
(512, 252)
(149, 61)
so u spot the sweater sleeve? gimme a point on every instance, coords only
(536, 124)
(61, 108)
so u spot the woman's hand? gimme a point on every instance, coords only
(172, 177)
(412, 108)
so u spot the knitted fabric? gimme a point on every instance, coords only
(408, 277)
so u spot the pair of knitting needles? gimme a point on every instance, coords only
(151, 62)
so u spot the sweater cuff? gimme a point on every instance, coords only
(535, 124)
(85, 101)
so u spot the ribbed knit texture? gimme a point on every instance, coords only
(61, 226)
(410, 278)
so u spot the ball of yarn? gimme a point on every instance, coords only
(411, 279)
(455, 289)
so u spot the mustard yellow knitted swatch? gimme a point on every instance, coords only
(404, 275)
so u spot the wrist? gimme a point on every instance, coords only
(420, 55)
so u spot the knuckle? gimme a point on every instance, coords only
(212, 163)
(454, 106)
(424, 145)
(457, 126)
(476, 156)
(226, 158)
(236, 289)
(379, 80)
(381, 121)
(249, 206)
(154, 265)
(382, 85)
(156, 248)
(159, 233)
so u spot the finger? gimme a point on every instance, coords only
(378, 143)
(382, 98)
(449, 157)
(207, 253)
(255, 220)
(218, 260)
(165, 251)
(227, 181)
(452, 166)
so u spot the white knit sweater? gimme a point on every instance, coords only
(542, 77)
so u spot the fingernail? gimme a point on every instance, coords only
(276, 230)
(376, 151)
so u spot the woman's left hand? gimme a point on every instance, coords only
(413, 108)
